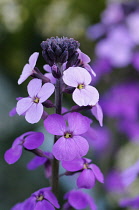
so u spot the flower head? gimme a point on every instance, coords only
(29, 140)
(78, 200)
(60, 50)
(88, 172)
(41, 199)
(70, 145)
(84, 94)
(32, 105)
(28, 68)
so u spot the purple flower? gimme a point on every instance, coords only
(70, 145)
(32, 105)
(30, 140)
(135, 60)
(97, 112)
(38, 161)
(84, 94)
(42, 199)
(28, 68)
(88, 172)
(130, 202)
(78, 200)
(84, 60)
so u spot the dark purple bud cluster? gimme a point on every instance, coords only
(60, 50)
(129, 7)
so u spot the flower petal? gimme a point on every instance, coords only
(65, 149)
(97, 112)
(78, 123)
(33, 59)
(81, 146)
(98, 174)
(34, 113)
(51, 77)
(36, 162)
(45, 92)
(13, 154)
(34, 87)
(55, 124)
(81, 76)
(34, 140)
(87, 96)
(77, 199)
(23, 105)
(51, 198)
(47, 68)
(27, 71)
(44, 205)
(86, 179)
(74, 165)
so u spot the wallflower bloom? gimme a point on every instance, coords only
(32, 105)
(70, 145)
(28, 68)
(78, 200)
(88, 172)
(29, 140)
(84, 94)
(42, 199)
(98, 113)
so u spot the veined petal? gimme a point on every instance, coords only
(34, 140)
(81, 146)
(23, 105)
(27, 71)
(81, 76)
(74, 165)
(34, 87)
(65, 149)
(45, 92)
(55, 124)
(34, 113)
(43, 205)
(33, 59)
(78, 123)
(97, 172)
(86, 179)
(13, 154)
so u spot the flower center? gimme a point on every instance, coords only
(80, 86)
(36, 100)
(67, 135)
(85, 166)
(39, 198)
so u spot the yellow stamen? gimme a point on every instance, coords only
(36, 100)
(40, 198)
(85, 166)
(67, 135)
(81, 86)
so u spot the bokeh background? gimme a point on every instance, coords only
(110, 41)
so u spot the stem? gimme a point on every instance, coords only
(55, 162)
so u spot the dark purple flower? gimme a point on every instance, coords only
(38, 161)
(84, 94)
(32, 105)
(28, 68)
(130, 202)
(29, 140)
(88, 172)
(70, 145)
(78, 200)
(42, 199)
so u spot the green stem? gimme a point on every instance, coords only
(55, 162)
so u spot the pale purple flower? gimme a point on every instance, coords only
(84, 94)
(42, 199)
(84, 60)
(96, 31)
(29, 140)
(130, 202)
(70, 145)
(98, 113)
(32, 105)
(28, 68)
(38, 161)
(79, 200)
(88, 172)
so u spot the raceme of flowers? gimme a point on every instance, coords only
(68, 73)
